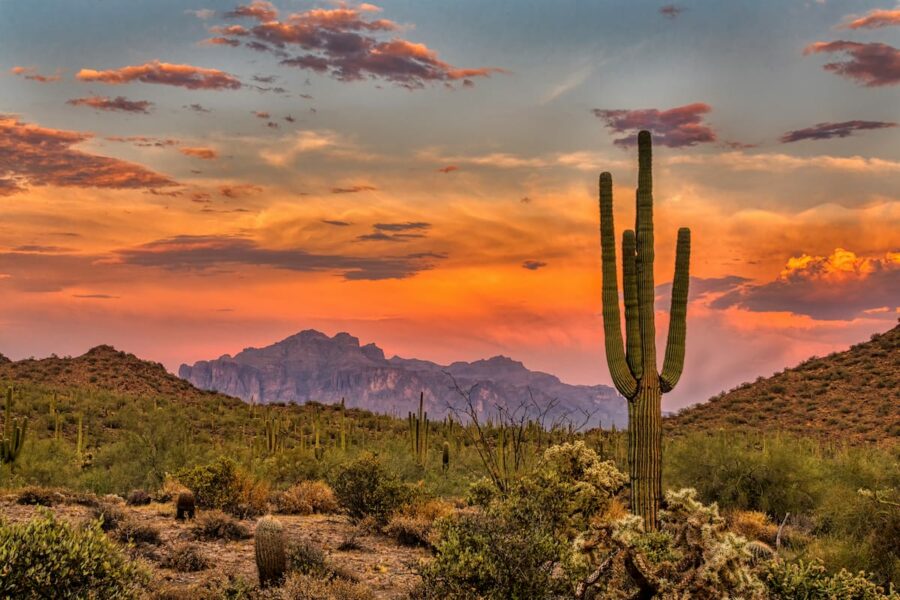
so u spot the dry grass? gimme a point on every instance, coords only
(306, 498)
(413, 525)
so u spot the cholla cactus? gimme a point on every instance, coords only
(13, 433)
(691, 555)
(633, 366)
(271, 558)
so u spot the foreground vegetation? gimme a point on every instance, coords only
(835, 503)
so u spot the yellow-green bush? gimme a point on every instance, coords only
(223, 485)
(365, 488)
(49, 558)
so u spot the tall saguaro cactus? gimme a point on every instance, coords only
(13, 433)
(633, 365)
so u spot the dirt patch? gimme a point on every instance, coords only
(387, 568)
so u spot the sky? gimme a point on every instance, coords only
(186, 179)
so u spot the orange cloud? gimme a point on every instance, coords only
(353, 189)
(448, 169)
(187, 76)
(221, 41)
(199, 152)
(42, 156)
(841, 286)
(32, 75)
(874, 19)
(238, 190)
(119, 103)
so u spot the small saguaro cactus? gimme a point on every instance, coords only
(418, 432)
(445, 457)
(633, 366)
(271, 558)
(343, 426)
(13, 433)
(185, 506)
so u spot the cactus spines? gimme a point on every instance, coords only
(271, 558)
(13, 433)
(185, 506)
(418, 432)
(633, 365)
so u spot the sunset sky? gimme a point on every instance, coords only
(185, 179)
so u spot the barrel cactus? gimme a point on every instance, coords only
(633, 366)
(185, 506)
(271, 557)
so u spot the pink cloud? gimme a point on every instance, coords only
(187, 76)
(676, 128)
(119, 103)
(37, 155)
(871, 64)
(342, 43)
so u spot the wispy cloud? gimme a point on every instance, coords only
(874, 19)
(31, 74)
(119, 103)
(825, 131)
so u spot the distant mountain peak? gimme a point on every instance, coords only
(310, 365)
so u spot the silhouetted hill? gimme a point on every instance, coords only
(312, 366)
(852, 395)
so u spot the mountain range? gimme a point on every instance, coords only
(312, 366)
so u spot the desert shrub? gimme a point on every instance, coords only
(185, 558)
(522, 544)
(48, 558)
(413, 525)
(789, 580)
(308, 558)
(216, 525)
(169, 489)
(753, 525)
(307, 497)
(138, 498)
(132, 531)
(40, 496)
(304, 587)
(109, 515)
(222, 485)
(366, 489)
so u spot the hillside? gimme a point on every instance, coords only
(101, 368)
(312, 366)
(852, 395)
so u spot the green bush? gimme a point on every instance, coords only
(522, 544)
(366, 489)
(811, 581)
(48, 558)
(224, 486)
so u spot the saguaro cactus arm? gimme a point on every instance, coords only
(675, 344)
(615, 351)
